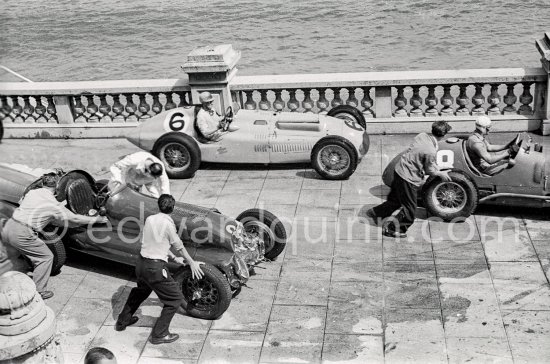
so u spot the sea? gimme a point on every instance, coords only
(72, 40)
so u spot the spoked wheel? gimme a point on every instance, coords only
(449, 200)
(206, 298)
(334, 158)
(179, 153)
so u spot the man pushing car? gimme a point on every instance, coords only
(142, 171)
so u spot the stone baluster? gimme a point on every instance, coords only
(17, 110)
(264, 103)
(183, 99)
(462, 101)
(447, 101)
(28, 110)
(79, 110)
(51, 110)
(416, 103)
(526, 99)
(494, 101)
(157, 106)
(250, 104)
(478, 100)
(293, 104)
(352, 100)
(431, 102)
(278, 104)
(92, 109)
(337, 100)
(143, 108)
(170, 104)
(400, 102)
(322, 102)
(104, 110)
(118, 109)
(307, 104)
(5, 110)
(130, 108)
(367, 103)
(40, 110)
(510, 100)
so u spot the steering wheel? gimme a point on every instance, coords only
(516, 146)
(228, 118)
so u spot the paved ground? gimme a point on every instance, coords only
(340, 292)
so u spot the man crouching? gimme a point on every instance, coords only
(159, 235)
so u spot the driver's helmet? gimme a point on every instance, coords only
(205, 97)
(483, 121)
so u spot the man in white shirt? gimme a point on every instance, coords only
(159, 236)
(210, 124)
(39, 208)
(140, 170)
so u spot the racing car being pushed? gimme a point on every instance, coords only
(523, 183)
(334, 143)
(230, 248)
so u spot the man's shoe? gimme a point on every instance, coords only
(119, 326)
(372, 216)
(393, 234)
(46, 294)
(170, 338)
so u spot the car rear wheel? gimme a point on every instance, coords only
(267, 226)
(206, 298)
(451, 200)
(334, 158)
(349, 113)
(54, 242)
(180, 154)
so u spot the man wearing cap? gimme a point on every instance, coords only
(143, 172)
(418, 161)
(37, 209)
(487, 158)
(210, 124)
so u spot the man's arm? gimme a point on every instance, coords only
(117, 168)
(432, 169)
(496, 147)
(490, 158)
(179, 249)
(63, 214)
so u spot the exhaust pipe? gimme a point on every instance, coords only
(497, 195)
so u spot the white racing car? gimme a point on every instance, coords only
(334, 143)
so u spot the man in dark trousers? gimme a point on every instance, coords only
(159, 235)
(417, 161)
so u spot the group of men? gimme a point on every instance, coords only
(159, 242)
(419, 160)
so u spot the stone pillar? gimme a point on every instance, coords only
(27, 325)
(211, 68)
(543, 45)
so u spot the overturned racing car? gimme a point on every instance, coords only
(230, 248)
(334, 143)
(523, 183)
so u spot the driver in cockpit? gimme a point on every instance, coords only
(488, 158)
(210, 124)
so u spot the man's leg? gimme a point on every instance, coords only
(29, 244)
(137, 295)
(169, 293)
(392, 203)
(408, 195)
(496, 168)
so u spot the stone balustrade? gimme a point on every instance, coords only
(398, 101)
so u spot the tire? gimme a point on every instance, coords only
(347, 112)
(462, 197)
(334, 158)
(59, 255)
(179, 153)
(215, 284)
(263, 222)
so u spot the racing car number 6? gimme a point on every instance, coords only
(176, 122)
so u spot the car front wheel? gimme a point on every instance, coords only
(206, 298)
(451, 200)
(268, 227)
(180, 155)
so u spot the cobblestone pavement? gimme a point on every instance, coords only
(475, 291)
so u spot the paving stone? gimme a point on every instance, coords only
(460, 252)
(126, 346)
(306, 268)
(357, 228)
(313, 204)
(472, 273)
(524, 325)
(410, 351)
(509, 272)
(352, 271)
(523, 295)
(149, 360)
(471, 310)
(250, 310)
(478, 350)
(239, 184)
(543, 249)
(232, 203)
(355, 308)
(64, 287)
(233, 346)
(358, 251)
(401, 322)
(95, 285)
(538, 227)
(300, 291)
(77, 330)
(353, 349)
(417, 234)
(461, 231)
(536, 350)
(407, 251)
(311, 239)
(411, 285)
(508, 246)
(294, 333)
(188, 346)
(314, 181)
